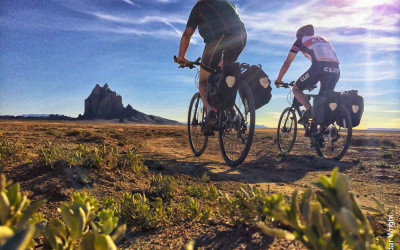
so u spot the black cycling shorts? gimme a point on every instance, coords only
(230, 45)
(328, 73)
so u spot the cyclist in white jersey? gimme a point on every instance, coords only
(324, 69)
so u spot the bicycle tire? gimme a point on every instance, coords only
(247, 95)
(281, 130)
(342, 111)
(197, 151)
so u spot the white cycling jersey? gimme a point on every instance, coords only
(315, 48)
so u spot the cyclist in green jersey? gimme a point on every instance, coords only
(225, 37)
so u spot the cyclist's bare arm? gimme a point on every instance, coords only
(185, 41)
(289, 59)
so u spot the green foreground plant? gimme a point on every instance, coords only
(82, 225)
(329, 218)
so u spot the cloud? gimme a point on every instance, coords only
(348, 22)
(130, 2)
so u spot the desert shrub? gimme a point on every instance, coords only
(329, 218)
(18, 216)
(49, 154)
(371, 142)
(205, 178)
(137, 210)
(387, 154)
(383, 165)
(194, 190)
(92, 157)
(164, 187)
(193, 210)
(365, 141)
(82, 224)
(73, 133)
(11, 152)
(133, 161)
(388, 143)
(96, 157)
(249, 205)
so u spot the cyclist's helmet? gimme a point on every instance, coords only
(307, 30)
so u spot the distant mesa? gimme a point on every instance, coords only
(103, 103)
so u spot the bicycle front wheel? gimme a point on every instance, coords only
(236, 128)
(334, 140)
(287, 130)
(196, 116)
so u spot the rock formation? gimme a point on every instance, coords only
(103, 103)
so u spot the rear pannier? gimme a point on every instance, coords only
(259, 84)
(219, 94)
(354, 104)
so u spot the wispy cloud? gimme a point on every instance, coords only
(130, 2)
(341, 21)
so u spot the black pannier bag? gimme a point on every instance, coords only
(354, 104)
(219, 94)
(259, 84)
(331, 107)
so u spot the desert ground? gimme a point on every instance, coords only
(372, 165)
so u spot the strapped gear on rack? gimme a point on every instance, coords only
(259, 84)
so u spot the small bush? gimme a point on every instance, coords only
(137, 210)
(11, 152)
(383, 165)
(198, 191)
(73, 133)
(371, 142)
(164, 187)
(133, 161)
(389, 143)
(18, 216)
(387, 154)
(49, 154)
(83, 224)
(326, 219)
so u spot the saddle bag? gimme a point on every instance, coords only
(354, 104)
(219, 94)
(259, 83)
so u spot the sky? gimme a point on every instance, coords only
(53, 53)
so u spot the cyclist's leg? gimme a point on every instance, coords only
(328, 77)
(211, 58)
(233, 45)
(306, 81)
(203, 87)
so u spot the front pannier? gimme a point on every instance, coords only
(259, 84)
(354, 104)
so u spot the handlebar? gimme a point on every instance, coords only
(287, 85)
(189, 64)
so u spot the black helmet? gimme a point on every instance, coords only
(307, 30)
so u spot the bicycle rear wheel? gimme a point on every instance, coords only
(287, 130)
(236, 128)
(334, 141)
(196, 116)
